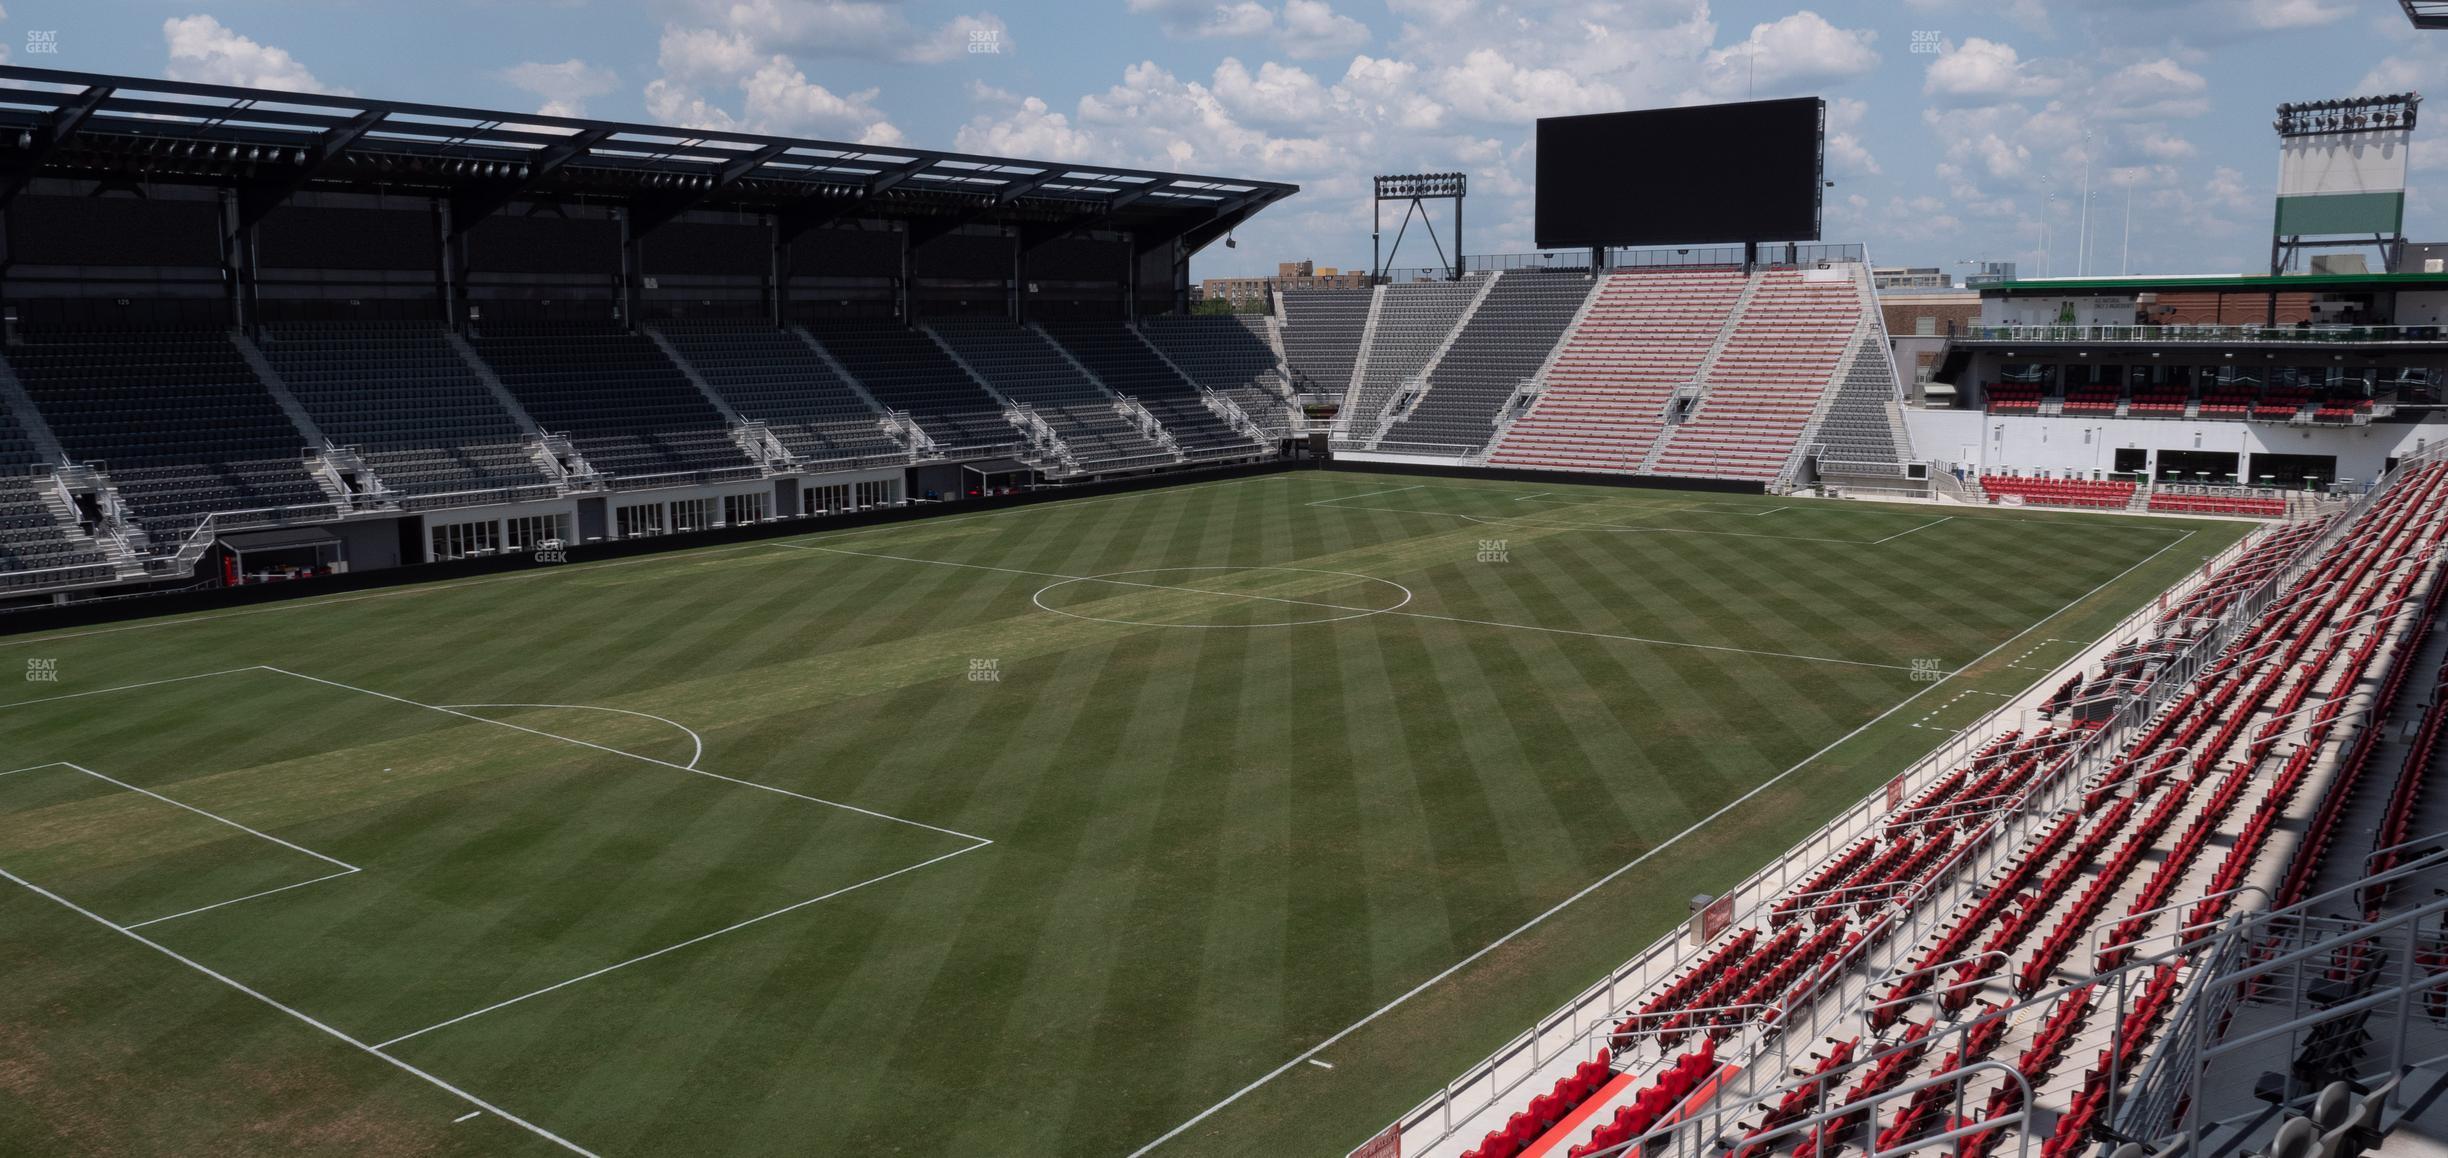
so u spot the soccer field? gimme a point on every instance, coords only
(1046, 830)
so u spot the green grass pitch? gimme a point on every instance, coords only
(1031, 831)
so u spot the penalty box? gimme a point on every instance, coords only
(396, 867)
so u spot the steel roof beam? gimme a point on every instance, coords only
(929, 229)
(40, 142)
(473, 205)
(825, 208)
(259, 198)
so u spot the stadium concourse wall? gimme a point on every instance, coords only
(1382, 464)
(1979, 442)
(189, 597)
(377, 538)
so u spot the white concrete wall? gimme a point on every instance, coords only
(2049, 311)
(2422, 308)
(2086, 447)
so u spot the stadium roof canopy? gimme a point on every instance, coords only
(2427, 13)
(269, 145)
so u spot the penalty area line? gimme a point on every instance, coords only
(702, 937)
(631, 755)
(481, 1105)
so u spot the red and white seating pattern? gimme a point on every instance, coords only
(2059, 492)
(1781, 359)
(2255, 506)
(2013, 398)
(1604, 402)
(2184, 810)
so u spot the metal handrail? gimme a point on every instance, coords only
(2052, 332)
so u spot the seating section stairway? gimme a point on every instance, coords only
(1781, 359)
(1231, 356)
(404, 398)
(183, 423)
(769, 375)
(1026, 368)
(36, 547)
(1502, 345)
(629, 412)
(1413, 322)
(1128, 366)
(1322, 329)
(1863, 433)
(903, 369)
(1603, 403)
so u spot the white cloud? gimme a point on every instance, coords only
(1276, 94)
(1208, 19)
(203, 51)
(1185, 124)
(701, 54)
(1488, 86)
(1300, 29)
(1030, 129)
(1387, 91)
(2280, 14)
(1793, 54)
(1313, 29)
(565, 86)
(814, 29)
(2152, 90)
(1979, 70)
(777, 98)
(2164, 146)
(1845, 152)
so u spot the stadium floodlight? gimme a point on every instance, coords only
(1413, 189)
(2426, 14)
(2312, 118)
(2342, 174)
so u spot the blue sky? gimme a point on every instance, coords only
(1953, 120)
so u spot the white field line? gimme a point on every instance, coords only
(977, 842)
(466, 1116)
(631, 755)
(1768, 512)
(30, 768)
(1533, 495)
(1635, 862)
(1629, 512)
(333, 861)
(344, 867)
(1367, 494)
(125, 687)
(660, 557)
(1910, 530)
(682, 945)
(1372, 612)
(248, 897)
(694, 757)
(224, 979)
